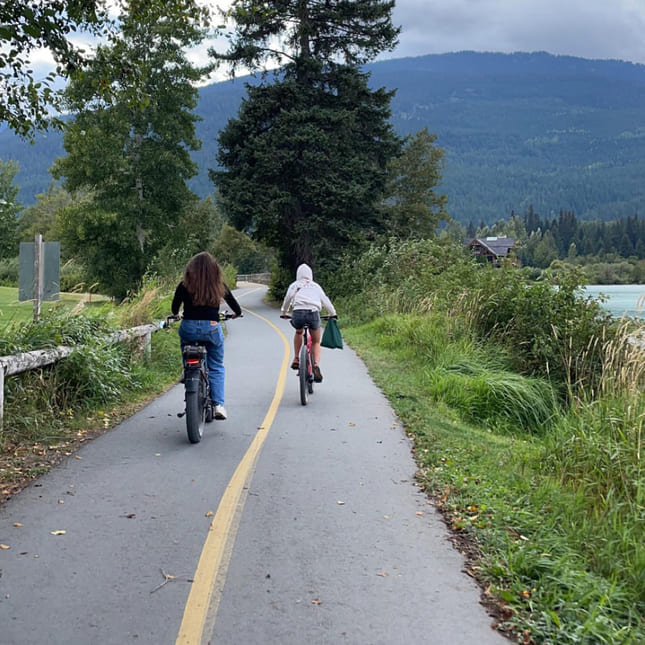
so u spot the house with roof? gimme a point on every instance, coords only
(493, 249)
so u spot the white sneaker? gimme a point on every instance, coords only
(220, 412)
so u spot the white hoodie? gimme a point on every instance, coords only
(304, 293)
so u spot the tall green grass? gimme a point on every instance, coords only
(46, 404)
(527, 406)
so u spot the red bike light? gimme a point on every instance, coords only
(192, 361)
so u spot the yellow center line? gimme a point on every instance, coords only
(203, 599)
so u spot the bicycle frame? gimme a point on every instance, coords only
(197, 395)
(306, 360)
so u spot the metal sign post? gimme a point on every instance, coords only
(38, 274)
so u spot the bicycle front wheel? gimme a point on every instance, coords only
(303, 374)
(310, 372)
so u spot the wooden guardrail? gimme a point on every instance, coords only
(10, 365)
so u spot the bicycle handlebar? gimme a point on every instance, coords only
(223, 315)
(288, 317)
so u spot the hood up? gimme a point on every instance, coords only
(304, 273)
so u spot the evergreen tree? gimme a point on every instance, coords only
(303, 167)
(131, 139)
(532, 221)
(413, 209)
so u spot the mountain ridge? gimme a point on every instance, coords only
(529, 128)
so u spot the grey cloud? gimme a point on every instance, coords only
(588, 28)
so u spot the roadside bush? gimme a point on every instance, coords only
(57, 327)
(550, 327)
(395, 276)
(40, 404)
(9, 269)
(94, 375)
(472, 380)
(73, 278)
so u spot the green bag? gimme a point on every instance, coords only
(331, 337)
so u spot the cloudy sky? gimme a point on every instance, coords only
(585, 28)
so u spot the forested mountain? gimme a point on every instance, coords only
(554, 132)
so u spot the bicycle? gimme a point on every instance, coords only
(306, 359)
(197, 390)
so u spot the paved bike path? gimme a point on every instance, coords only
(335, 544)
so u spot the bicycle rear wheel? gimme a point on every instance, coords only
(195, 413)
(303, 373)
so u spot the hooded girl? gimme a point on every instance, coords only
(305, 299)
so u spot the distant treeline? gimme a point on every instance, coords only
(544, 239)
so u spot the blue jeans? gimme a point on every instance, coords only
(213, 337)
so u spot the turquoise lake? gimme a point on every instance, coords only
(622, 299)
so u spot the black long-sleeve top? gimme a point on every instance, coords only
(194, 312)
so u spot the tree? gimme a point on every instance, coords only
(198, 229)
(303, 165)
(9, 208)
(40, 217)
(27, 25)
(412, 207)
(131, 138)
(545, 251)
(237, 248)
(306, 166)
(305, 32)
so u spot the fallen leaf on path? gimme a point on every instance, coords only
(383, 575)
(419, 512)
(58, 532)
(209, 514)
(316, 601)
(77, 457)
(4, 547)
(340, 502)
(17, 524)
(352, 425)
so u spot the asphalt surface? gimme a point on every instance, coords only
(329, 540)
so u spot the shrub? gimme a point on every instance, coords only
(9, 269)
(550, 327)
(73, 278)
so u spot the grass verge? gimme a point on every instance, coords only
(559, 566)
(13, 311)
(50, 411)
(44, 435)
